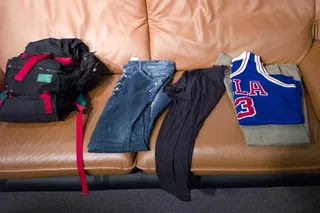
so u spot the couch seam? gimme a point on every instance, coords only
(148, 26)
(315, 24)
(131, 167)
(66, 169)
(315, 10)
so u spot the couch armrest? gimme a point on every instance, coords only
(2, 80)
(310, 69)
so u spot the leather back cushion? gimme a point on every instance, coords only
(193, 33)
(116, 29)
(2, 80)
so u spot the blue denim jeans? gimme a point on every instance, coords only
(127, 119)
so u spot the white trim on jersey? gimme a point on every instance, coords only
(264, 73)
(240, 57)
(257, 59)
(245, 58)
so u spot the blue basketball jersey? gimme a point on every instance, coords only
(260, 98)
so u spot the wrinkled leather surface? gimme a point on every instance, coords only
(116, 29)
(279, 32)
(220, 148)
(310, 67)
(317, 20)
(41, 150)
(2, 80)
(193, 33)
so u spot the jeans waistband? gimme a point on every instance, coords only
(152, 67)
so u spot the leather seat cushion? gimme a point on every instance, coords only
(117, 30)
(220, 148)
(44, 150)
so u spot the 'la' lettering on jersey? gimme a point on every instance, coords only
(260, 98)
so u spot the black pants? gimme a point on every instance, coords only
(194, 96)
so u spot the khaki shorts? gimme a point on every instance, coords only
(271, 135)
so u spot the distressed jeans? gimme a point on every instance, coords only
(138, 98)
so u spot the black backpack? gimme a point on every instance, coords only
(43, 83)
(47, 82)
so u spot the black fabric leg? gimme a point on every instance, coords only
(194, 97)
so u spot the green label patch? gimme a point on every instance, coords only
(81, 100)
(1, 95)
(44, 78)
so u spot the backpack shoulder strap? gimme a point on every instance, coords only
(28, 66)
(81, 106)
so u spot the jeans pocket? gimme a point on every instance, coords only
(146, 74)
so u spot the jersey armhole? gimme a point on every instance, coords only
(245, 58)
(265, 74)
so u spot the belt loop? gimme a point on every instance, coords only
(140, 65)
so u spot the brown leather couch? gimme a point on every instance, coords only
(191, 33)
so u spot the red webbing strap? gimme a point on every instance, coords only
(47, 102)
(23, 55)
(28, 66)
(79, 149)
(67, 61)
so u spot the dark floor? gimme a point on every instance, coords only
(266, 200)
